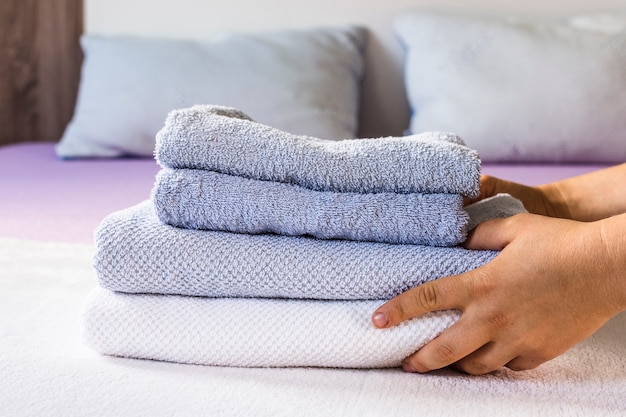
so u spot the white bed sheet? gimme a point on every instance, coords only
(47, 371)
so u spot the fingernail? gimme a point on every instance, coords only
(407, 367)
(380, 319)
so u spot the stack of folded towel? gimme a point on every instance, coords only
(262, 248)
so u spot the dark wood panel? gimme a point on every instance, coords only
(40, 61)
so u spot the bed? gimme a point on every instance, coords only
(53, 197)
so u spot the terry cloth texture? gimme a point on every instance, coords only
(208, 200)
(137, 253)
(499, 206)
(206, 137)
(252, 332)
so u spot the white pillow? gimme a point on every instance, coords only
(303, 82)
(520, 90)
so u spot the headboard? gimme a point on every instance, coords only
(40, 55)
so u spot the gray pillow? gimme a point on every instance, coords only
(520, 90)
(304, 82)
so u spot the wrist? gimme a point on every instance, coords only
(588, 197)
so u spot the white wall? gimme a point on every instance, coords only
(192, 18)
(385, 109)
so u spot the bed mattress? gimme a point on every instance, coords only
(46, 370)
(45, 198)
(48, 211)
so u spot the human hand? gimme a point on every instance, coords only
(554, 283)
(545, 199)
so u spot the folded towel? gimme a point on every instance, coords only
(252, 332)
(207, 137)
(498, 206)
(137, 253)
(200, 199)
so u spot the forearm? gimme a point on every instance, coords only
(591, 196)
(613, 236)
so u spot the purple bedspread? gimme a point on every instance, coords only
(44, 198)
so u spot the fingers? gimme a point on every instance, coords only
(496, 234)
(490, 235)
(525, 363)
(494, 356)
(484, 359)
(450, 347)
(442, 294)
(488, 358)
(471, 349)
(490, 186)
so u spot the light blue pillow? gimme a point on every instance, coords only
(304, 82)
(520, 90)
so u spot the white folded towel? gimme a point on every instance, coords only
(252, 332)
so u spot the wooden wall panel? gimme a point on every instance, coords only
(40, 62)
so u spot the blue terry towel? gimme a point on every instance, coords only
(498, 206)
(225, 140)
(208, 200)
(136, 253)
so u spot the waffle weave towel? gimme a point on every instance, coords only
(227, 141)
(137, 253)
(208, 200)
(251, 332)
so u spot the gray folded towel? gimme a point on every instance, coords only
(225, 140)
(137, 253)
(498, 206)
(208, 200)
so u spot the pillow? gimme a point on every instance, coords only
(515, 90)
(305, 82)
